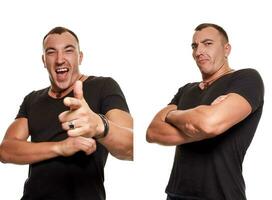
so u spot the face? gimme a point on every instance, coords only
(62, 58)
(210, 51)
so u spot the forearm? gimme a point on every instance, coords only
(196, 123)
(161, 132)
(201, 122)
(23, 152)
(119, 141)
(165, 134)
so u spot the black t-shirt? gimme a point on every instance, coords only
(211, 169)
(78, 177)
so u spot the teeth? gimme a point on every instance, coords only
(62, 70)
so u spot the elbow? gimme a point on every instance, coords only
(127, 150)
(125, 154)
(150, 135)
(209, 128)
(124, 151)
(3, 158)
(128, 154)
(207, 123)
(208, 131)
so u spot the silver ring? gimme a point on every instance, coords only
(71, 125)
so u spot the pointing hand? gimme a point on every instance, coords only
(80, 120)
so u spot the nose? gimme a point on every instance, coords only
(60, 58)
(199, 50)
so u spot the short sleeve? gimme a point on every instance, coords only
(23, 111)
(176, 98)
(112, 97)
(249, 84)
(178, 95)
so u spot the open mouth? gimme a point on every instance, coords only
(62, 73)
(62, 70)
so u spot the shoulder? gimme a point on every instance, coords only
(29, 101)
(102, 85)
(98, 80)
(249, 77)
(36, 93)
(248, 84)
(247, 72)
(183, 90)
(189, 87)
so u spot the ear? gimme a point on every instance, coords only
(80, 57)
(43, 61)
(227, 49)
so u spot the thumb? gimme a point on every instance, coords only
(78, 92)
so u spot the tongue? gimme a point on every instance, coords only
(62, 76)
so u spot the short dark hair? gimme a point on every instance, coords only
(217, 27)
(59, 30)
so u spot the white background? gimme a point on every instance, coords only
(145, 46)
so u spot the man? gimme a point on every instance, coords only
(211, 122)
(73, 125)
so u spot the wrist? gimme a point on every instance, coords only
(102, 128)
(56, 148)
(168, 116)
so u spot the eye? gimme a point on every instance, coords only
(69, 50)
(50, 52)
(194, 46)
(208, 43)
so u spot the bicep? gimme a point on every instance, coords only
(18, 130)
(230, 111)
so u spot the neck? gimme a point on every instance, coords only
(208, 80)
(211, 76)
(61, 93)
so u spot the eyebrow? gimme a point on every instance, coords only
(66, 47)
(207, 40)
(69, 46)
(194, 44)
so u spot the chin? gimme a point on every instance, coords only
(205, 69)
(62, 85)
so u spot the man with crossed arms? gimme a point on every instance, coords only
(211, 123)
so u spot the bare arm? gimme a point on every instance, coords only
(119, 140)
(16, 149)
(172, 127)
(209, 121)
(161, 132)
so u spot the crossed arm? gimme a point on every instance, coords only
(174, 127)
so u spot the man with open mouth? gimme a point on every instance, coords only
(74, 123)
